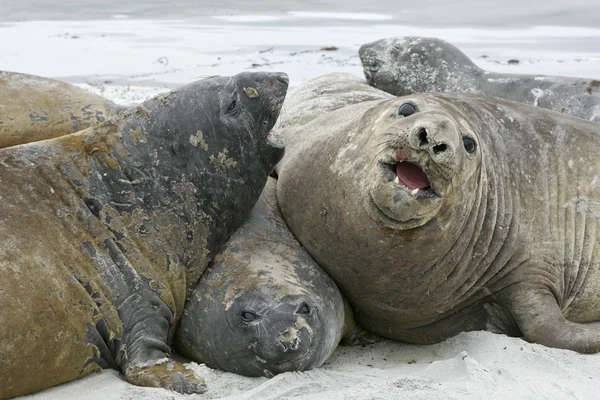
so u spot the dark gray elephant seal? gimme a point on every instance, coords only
(264, 306)
(33, 108)
(442, 213)
(104, 233)
(406, 65)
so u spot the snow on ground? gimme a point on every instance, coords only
(129, 60)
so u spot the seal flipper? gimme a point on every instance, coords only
(353, 334)
(144, 355)
(539, 317)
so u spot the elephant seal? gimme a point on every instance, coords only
(104, 233)
(264, 306)
(442, 213)
(406, 65)
(33, 108)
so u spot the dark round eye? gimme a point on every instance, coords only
(232, 106)
(248, 316)
(407, 109)
(303, 309)
(469, 144)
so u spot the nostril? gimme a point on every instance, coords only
(440, 148)
(423, 137)
(283, 78)
(291, 345)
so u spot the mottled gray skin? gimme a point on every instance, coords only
(104, 233)
(264, 306)
(504, 238)
(406, 65)
(34, 108)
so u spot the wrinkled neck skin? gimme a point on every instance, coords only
(163, 204)
(433, 268)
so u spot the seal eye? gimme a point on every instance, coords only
(248, 316)
(303, 309)
(407, 109)
(469, 144)
(232, 107)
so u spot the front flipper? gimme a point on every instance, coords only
(352, 333)
(143, 353)
(144, 356)
(169, 374)
(538, 315)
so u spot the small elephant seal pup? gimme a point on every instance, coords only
(264, 306)
(406, 65)
(104, 233)
(442, 213)
(33, 108)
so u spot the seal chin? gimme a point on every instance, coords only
(402, 196)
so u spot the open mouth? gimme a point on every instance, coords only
(274, 140)
(412, 177)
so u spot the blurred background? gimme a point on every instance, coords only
(129, 50)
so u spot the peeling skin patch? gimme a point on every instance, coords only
(198, 139)
(251, 92)
(141, 111)
(137, 136)
(537, 94)
(221, 161)
(155, 161)
(586, 206)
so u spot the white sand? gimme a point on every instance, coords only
(474, 365)
(130, 60)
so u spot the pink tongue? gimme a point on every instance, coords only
(411, 176)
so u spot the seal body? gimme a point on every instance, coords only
(406, 65)
(264, 306)
(33, 108)
(442, 213)
(105, 232)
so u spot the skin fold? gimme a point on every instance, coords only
(33, 108)
(104, 233)
(442, 213)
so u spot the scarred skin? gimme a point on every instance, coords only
(264, 306)
(33, 108)
(406, 65)
(504, 237)
(104, 233)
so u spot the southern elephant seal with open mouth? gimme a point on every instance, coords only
(33, 108)
(406, 65)
(264, 306)
(104, 233)
(442, 213)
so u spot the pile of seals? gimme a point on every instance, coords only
(104, 233)
(434, 213)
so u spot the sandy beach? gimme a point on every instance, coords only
(129, 52)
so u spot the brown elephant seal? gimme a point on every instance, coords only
(406, 65)
(33, 108)
(442, 213)
(104, 233)
(264, 306)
